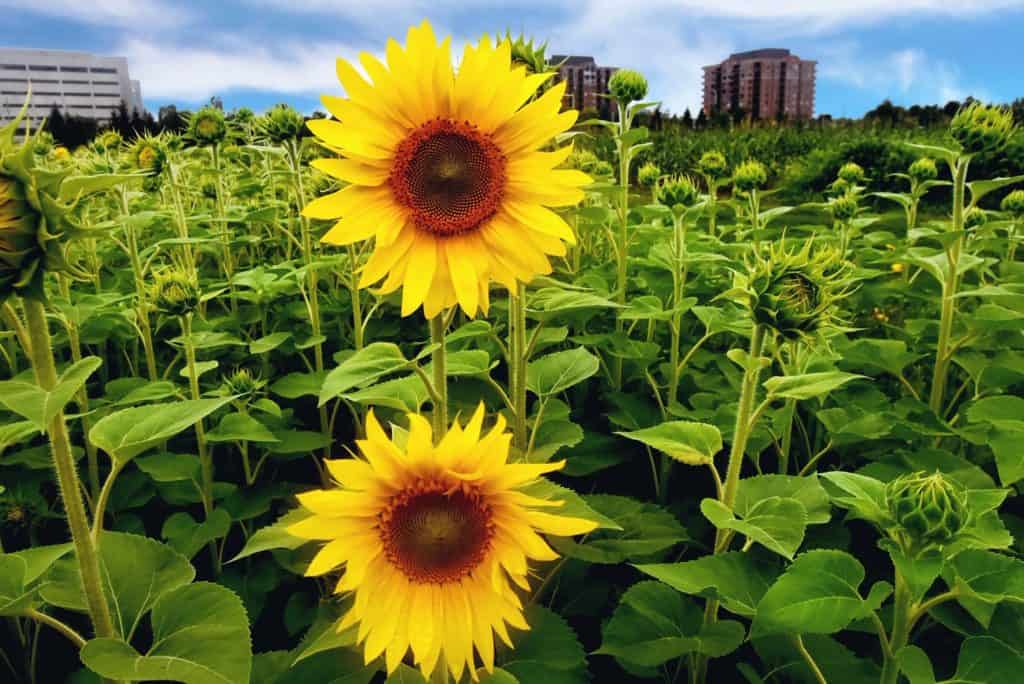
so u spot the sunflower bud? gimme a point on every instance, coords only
(974, 218)
(922, 170)
(43, 144)
(713, 165)
(603, 169)
(207, 126)
(982, 128)
(175, 293)
(795, 293)
(243, 116)
(1013, 204)
(840, 187)
(750, 175)
(61, 153)
(627, 85)
(851, 172)
(648, 174)
(107, 141)
(929, 509)
(281, 123)
(844, 207)
(242, 383)
(148, 153)
(525, 53)
(677, 191)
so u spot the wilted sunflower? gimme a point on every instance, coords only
(445, 172)
(431, 539)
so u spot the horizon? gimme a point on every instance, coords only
(256, 53)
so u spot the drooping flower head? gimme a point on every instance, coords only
(175, 292)
(1013, 204)
(281, 123)
(982, 128)
(149, 154)
(108, 141)
(445, 172)
(432, 541)
(207, 126)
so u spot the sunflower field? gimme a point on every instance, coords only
(452, 386)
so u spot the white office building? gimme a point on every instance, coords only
(77, 83)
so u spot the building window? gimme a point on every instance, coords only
(41, 67)
(70, 81)
(13, 92)
(102, 70)
(77, 70)
(12, 67)
(113, 83)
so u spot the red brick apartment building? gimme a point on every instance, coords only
(585, 84)
(766, 84)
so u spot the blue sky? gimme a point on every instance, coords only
(259, 52)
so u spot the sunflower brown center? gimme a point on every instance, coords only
(449, 175)
(435, 533)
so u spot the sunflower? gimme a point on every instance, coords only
(433, 540)
(444, 171)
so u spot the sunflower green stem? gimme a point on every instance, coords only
(519, 357)
(41, 354)
(440, 370)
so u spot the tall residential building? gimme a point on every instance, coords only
(585, 84)
(766, 84)
(77, 83)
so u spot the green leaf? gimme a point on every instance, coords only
(137, 571)
(41, 407)
(990, 577)
(200, 636)
(202, 367)
(16, 433)
(916, 665)
(187, 537)
(268, 343)
(74, 187)
(645, 529)
(809, 385)
(14, 599)
(402, 394)
(559, 371)
(549, 652)
(735, 578)
(980, 188)
(653, 625)
(295, 385)
(238, 427)
(777, 523)
(806, 489)
(128, 432)
(364, 367)
(889, 355)
(818, 594)
(168, 467)
(986, 660)
(944, 153)
(685, 441)
(864, 496)
(274, 536)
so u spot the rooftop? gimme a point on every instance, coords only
(767, 53)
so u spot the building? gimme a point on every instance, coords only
(77, 83)
(766, 84)
(586, 84)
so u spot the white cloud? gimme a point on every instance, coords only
(137, 14)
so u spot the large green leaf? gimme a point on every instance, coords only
(777, 523)
(985, 660)
(274, 536)
(646, 529)
(806, 489)
(549, 652)
(559, 371)
(39, 406)
(653, 624)
(200, 636)
(683, 440)
(137, 571)
(818, 594)
(362, 368)
(864, 496)
(128, 432)
(14, 597)
(808, 385)
(187, 537)
(737, 579)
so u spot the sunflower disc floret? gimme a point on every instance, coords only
(444, 170)
(928, 509)
(433, 539)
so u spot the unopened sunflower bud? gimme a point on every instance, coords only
(851, 172)
(982, 128)
(713, 165)
(840, 187)
(844, 207)
(750, 175)
(627, 85)
(648, 174)
(207, 126)
(43, 144)
(602, 168)
(175, 293)
(922, 170)
(974, 218)
(243, 383)
(281, 123)
(525, 53)
(677, 191)
(929, 509)
(149, 154)
(108, 141)
(1013, 204)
